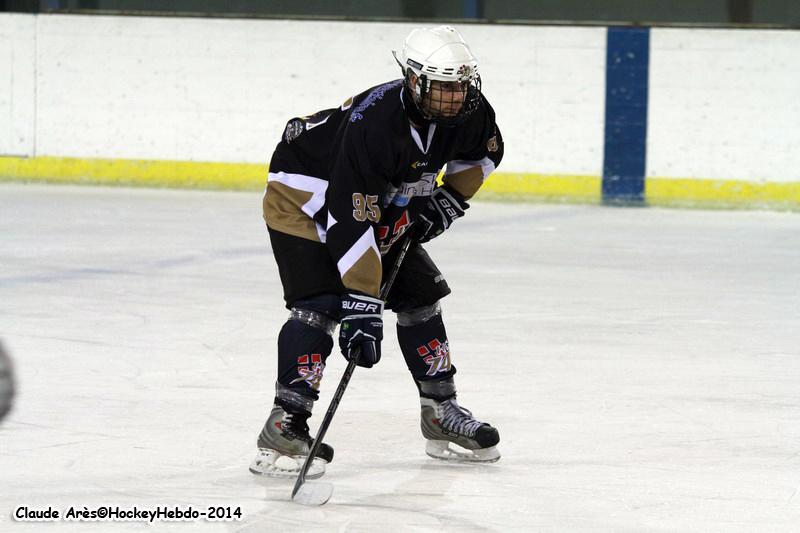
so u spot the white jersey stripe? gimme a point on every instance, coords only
(418, 140)
(301, 182)
(364, 243)
(486, 164)
(331, 221)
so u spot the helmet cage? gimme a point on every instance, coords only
(436, 98)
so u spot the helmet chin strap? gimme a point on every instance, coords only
(412, 108)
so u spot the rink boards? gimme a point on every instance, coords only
(709, 118)
(518, 186)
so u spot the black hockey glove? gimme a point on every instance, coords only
(444, 207)
(361, 331)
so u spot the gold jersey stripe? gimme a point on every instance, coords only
(282, 207)
(365, 274)
(465, 182)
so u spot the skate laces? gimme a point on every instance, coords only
(295, 425)
(458, 419)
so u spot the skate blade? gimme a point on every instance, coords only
(271, 463)
(313, 493)
(444, 451)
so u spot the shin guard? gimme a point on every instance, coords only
(425, 347)
(304, 345)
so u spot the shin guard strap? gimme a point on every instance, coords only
(292, 400)
(314, 319)
(418, 315)
(440, 389)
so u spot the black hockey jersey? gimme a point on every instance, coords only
(355, 176)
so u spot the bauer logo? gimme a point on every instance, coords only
(360, 306)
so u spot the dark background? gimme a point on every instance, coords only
(756, 13)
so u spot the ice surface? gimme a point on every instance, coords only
(313, 493)
(642, 366)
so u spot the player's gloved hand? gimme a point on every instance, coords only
(444, 207)
(361, 331)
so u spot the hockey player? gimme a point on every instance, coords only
(345, 185)
(6, 384)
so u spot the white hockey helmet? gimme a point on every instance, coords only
(441, 55)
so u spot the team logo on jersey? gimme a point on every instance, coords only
(400, 227)
(436, 355)
(419, 164)
(293, 130)
(310, 374)
(492, 144)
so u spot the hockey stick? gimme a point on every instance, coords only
(320, 492)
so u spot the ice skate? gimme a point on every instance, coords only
(452, 433)
(283, 446)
